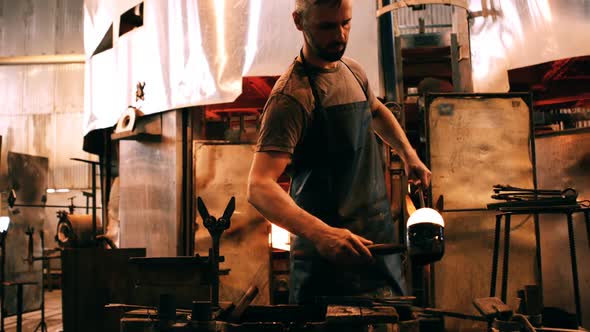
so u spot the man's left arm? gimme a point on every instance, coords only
(388, 128)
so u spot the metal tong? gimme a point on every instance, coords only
(510, 193)
(375, 249)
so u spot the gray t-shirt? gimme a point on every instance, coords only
(288, 110)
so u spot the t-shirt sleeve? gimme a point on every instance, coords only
(283, 122)
(371, 98)
(362, 75)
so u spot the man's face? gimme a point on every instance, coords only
(326, 29)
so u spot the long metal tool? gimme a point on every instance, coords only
(375, 249)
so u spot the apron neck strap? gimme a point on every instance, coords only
(310, 78)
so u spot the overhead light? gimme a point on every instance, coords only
(50, 191)
(4, 222)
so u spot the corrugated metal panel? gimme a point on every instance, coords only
(11, 81)
(436, 15)
(66, 173)
(36, 27)
(42, 115)
(42, 89)
(39, 17)
(69, 89)
(38, 89)
(12, 41)
(13, 129)
(69, 28)
(57, 136)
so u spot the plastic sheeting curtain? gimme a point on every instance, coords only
(518, 33)
(195, 52)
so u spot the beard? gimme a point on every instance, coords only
(332, 52)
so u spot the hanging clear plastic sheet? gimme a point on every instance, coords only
(518, 33)
(195, 52)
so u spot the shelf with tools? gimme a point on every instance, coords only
(561, 91)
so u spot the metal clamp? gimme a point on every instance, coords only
(216, 227)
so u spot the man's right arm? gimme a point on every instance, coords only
(264, 193)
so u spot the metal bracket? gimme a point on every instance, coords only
(407, 3)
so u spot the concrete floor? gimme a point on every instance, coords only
(31, 319)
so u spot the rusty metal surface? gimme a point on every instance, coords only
(476, 143)
(564, 161)
(150, 191)
(185, 278)
(27, 175)
(221, 171)
(92, 278)
(464, 273)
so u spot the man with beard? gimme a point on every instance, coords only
(319, 126)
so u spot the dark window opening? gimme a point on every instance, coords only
(131, 19)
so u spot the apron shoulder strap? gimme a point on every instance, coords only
(311, 80)
(358, 79)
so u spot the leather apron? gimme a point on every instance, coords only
(337, 175)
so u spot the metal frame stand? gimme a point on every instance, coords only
(2, 262)
(93, 165)
(506, 213)
(42, 326)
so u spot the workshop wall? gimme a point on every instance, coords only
(476, 143)
(563, 161)
(42, 104)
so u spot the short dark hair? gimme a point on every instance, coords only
(302, 6)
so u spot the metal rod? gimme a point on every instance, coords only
(587, 217)
(215, 280)
(49, 206)
(19, 308)
(42, 325)
(43, 59)
(456, 74)
(572, 243)
(538, 255)
(421, 196)
(506, 257)
(427, 26)
(105, 180)
(495, 255)
(93, 202)
(465, 210)
(2, 262)
(387, 54)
